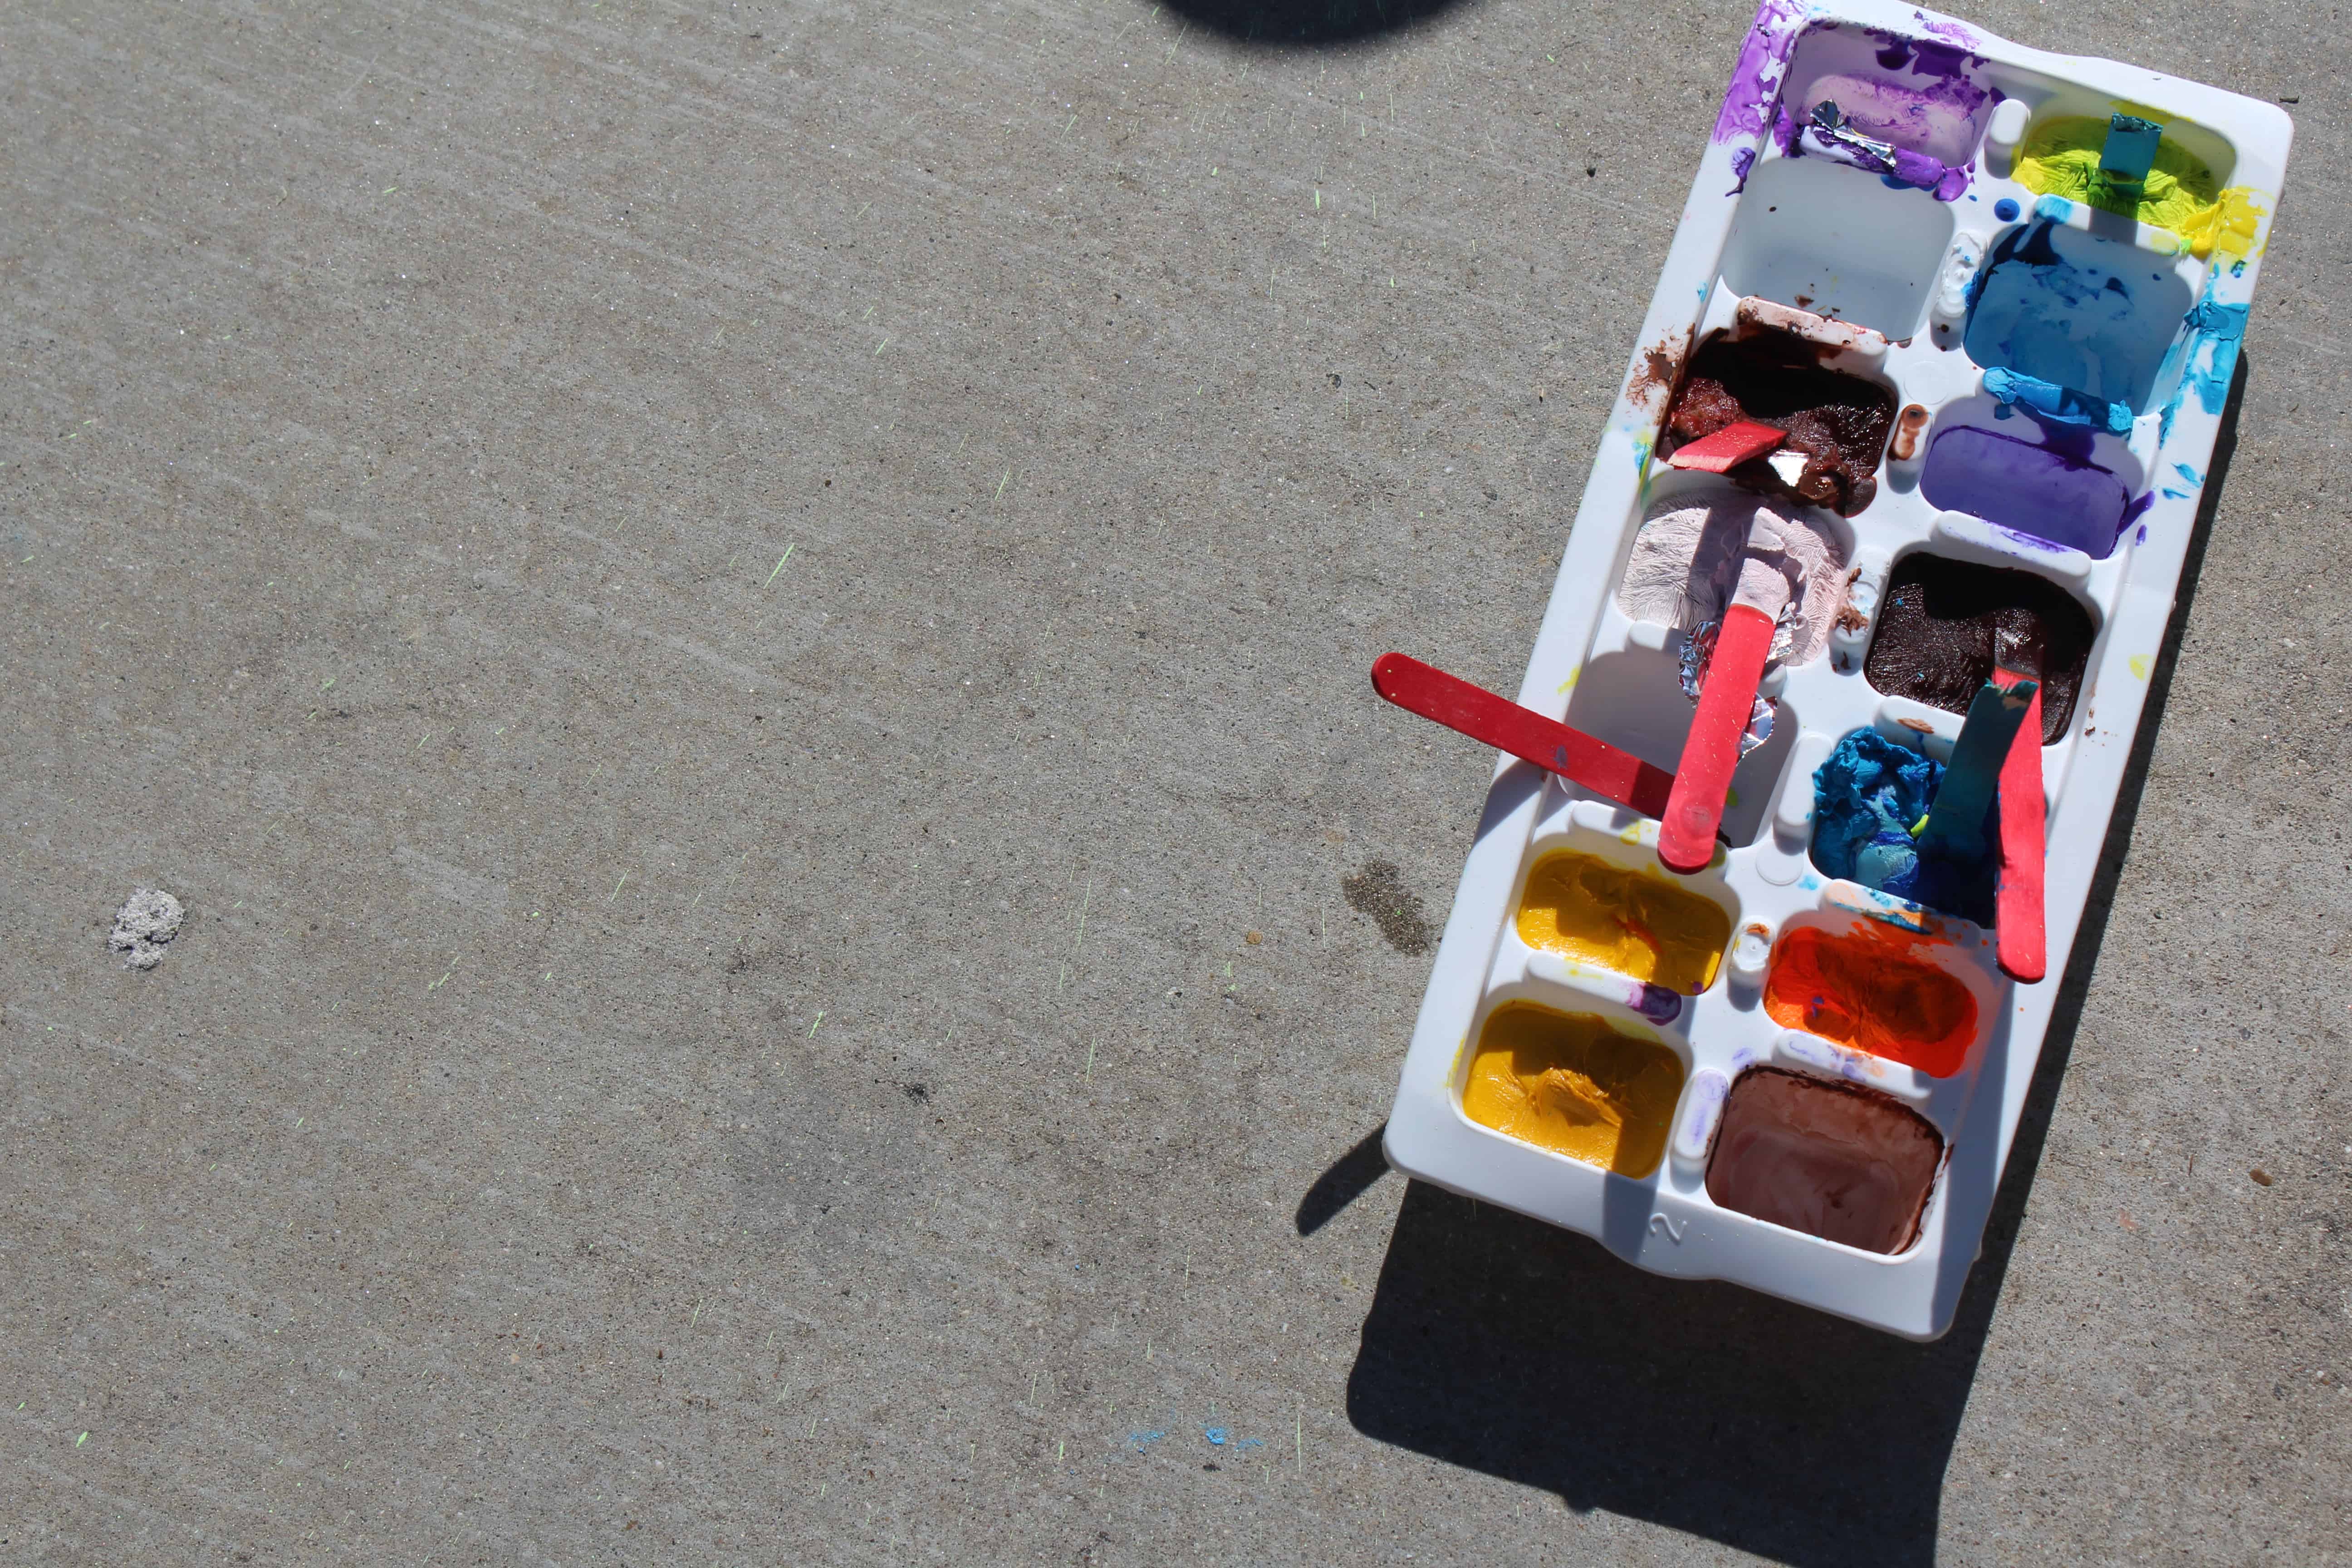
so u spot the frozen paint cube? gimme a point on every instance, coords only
(2130, 149)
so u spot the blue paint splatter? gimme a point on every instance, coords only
(2046, 401)
(2005, 209)
(2033, 541)
(2057, 209)
(2205, 354)
(2222, 327)
(2189, 474)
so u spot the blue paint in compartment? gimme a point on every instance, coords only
(2054, 305)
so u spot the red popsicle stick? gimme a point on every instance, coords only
(1711, 750)
(2020, 941)
(1727, 448)
(1580, 758)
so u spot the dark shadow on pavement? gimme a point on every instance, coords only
(1277, 23)
(1343, 1183)
(1502, 1344)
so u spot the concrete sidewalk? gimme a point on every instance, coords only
(744, 629)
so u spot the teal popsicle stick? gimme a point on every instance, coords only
(1956, 816)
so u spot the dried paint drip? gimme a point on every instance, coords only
(1845, 1163)
(1837, 423)
(1569, 1083)
(1636, 924)
(1869, 990)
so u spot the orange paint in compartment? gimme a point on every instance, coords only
(1869, 989)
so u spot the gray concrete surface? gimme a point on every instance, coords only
(727, 616)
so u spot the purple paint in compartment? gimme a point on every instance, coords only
(2049, 492)
(1927, 100)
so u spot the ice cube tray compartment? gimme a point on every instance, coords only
(2078, 310)
(2064, 489)
(1833, 240)
(2056, 374)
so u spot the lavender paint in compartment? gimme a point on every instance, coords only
(2050, 491)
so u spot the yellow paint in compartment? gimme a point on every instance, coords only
(2061, 158)
(1581, 907)
(1569, 1083)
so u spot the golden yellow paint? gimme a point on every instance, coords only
(1569, 1083)
(1583, 908)
(2061, 158)
(2228, 225)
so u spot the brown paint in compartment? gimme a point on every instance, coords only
(1934, 642)
(1838, 421)
(1833, 1160)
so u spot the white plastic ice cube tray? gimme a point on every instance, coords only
(1802, 229)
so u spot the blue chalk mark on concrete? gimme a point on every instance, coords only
(1220, 1436)
(1142, 1441)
